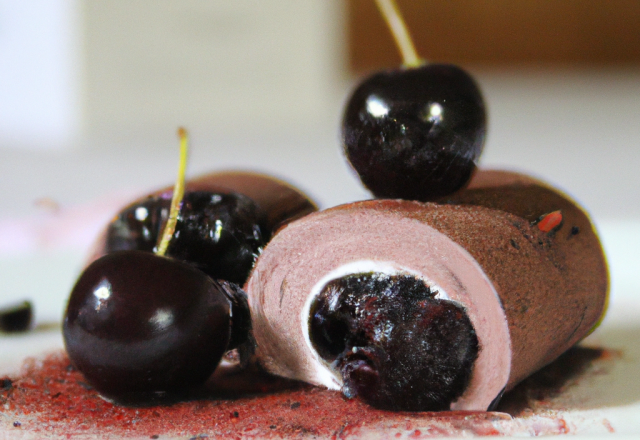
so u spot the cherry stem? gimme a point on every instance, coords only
(391, 13)
(178, 193)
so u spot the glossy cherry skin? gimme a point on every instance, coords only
(220, 233)
(415, 133)
(138, 324)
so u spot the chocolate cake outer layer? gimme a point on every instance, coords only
(552, 292)
(574, 251)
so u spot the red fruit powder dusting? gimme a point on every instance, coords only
(51, 398)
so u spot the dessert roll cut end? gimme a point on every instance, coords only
(383, 306)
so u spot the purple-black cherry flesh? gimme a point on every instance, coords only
(394, 343)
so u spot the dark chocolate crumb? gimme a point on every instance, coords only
(235, 414)
(295, 405)
(575, 230)
(155, 436)
(16, 318)
(272, 426)
(6, 383)
(550, 381)
(17, 424)
(514, 244)
(58, 394)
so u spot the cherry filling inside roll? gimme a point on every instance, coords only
(390, 335)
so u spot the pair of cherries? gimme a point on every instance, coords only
(140, 325)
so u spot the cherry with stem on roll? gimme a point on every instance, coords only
(416, 132)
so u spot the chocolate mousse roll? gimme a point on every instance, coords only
(425, 306)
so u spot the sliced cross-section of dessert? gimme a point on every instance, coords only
(425, 306)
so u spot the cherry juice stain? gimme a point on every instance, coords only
(51, 397)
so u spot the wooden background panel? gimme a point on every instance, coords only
(501, 32)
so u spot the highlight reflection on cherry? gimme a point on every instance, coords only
(138, 324)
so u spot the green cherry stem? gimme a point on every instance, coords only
(391, 13)
(178, 194)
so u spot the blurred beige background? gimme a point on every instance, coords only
(150, 64)
(91, 92)
(216, 65)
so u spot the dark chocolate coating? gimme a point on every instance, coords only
(415, 133)
(530, 291)
(396, 346)
(543, 322)
(138, 324)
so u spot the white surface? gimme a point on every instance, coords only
(576, 129)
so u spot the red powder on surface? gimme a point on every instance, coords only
(607, 424)
(50, 397)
